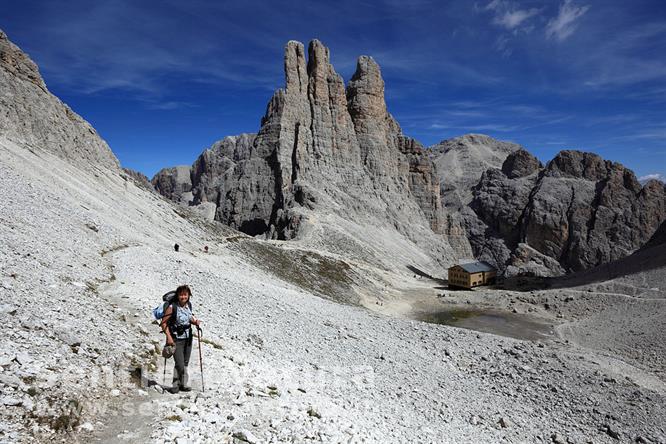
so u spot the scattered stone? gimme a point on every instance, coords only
(9, 380)
(8, 308)
(314, 413)
(87, 427)
(27, 403)
(556, 438)
(245, 436)
(68, 337)
(11, 401)
(23, 358)
(611, 431)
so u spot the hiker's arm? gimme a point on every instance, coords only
(195, 321)
(165, 325)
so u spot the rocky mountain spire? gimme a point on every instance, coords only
(326, 150)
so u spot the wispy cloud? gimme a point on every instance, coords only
(658, 134)
(609, 67)
(653, 176)
(168, 105)
(564, 25)
(512, 19)
(415, 66)
(494, 127)
(614, 119)
(92, 50)
(508, 15)
(492, 116)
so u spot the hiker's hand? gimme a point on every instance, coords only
(197, 322)
(170, 341)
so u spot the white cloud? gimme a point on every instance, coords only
(653, 176)
(513, 19)
(494, 5)
(507, 16)
(562, 26)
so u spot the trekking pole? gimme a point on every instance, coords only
(164, 377)
(203, 389)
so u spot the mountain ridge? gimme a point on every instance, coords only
(35, 117)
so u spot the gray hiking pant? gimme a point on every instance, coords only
(182, 359)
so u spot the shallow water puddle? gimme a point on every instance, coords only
(499, 323)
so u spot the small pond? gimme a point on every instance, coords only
(499, 323)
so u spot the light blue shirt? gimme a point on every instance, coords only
(183, 316)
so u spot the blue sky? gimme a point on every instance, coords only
(162, 80)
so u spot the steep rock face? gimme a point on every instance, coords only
(326, 153)
(423, 184)
(36, 118)
(580, 211)
(491, 218)
(587, 211)
(461, 161)
(525, 260)
(174, 183)
(460, 164)
(393, 161)
(520, 163)
(658, 238)
(212, 169)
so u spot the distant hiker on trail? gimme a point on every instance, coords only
(176, 247)
(177, 325)
(206, 249)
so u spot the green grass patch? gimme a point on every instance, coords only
(322, 275)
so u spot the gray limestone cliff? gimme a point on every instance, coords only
(35, 118)
(578, 212)
(462, 160)
(323, 152)
(575, 213)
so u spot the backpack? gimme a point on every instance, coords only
(168, 299)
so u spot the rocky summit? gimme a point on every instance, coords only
(577, 212)
(324, 155)
(462, 160)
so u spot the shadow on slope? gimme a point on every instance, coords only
(422, 273)
(645, 265)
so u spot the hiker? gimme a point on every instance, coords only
(206, 249)
(178, 329)
(176, 247)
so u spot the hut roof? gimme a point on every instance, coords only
(476, 267)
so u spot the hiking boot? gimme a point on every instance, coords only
(173, 390)
(185, 389)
